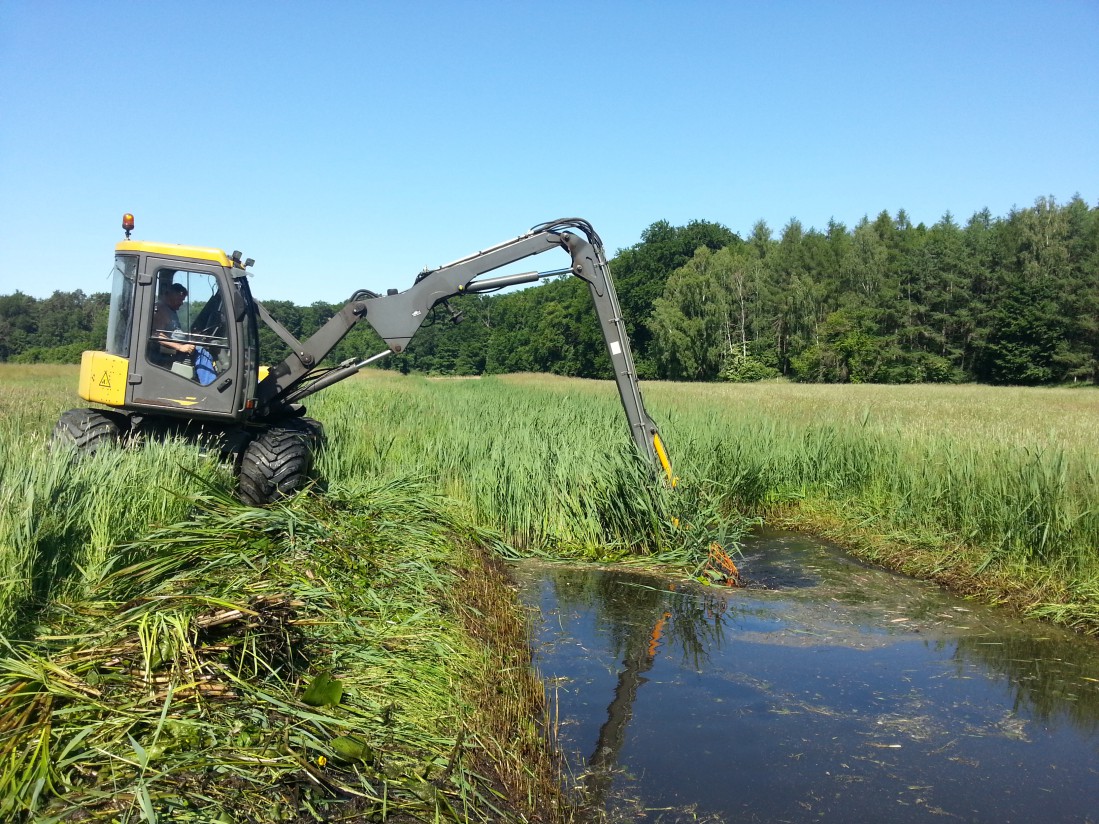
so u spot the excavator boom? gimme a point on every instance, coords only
(397, 316)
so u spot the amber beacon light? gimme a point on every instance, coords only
(128, 224)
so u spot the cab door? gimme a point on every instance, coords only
(185, 343)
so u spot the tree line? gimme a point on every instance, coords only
(1005, 300)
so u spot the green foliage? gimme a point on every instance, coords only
(1007, 472)
(50, 330)
(707, 312)
(69, 353)
(690, 322)
(158, 641)
(741, 368)
(641, 271)
(1024, 334)
(849, 350)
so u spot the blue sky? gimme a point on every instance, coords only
(350, 144)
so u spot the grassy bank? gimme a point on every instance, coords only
(167, 654)
(344, 657)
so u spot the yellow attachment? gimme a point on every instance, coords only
(103, 378)
(175, 250)
(662, 454)
(264, 371)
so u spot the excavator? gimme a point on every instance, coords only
(182, 353)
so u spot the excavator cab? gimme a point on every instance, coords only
(181, 335)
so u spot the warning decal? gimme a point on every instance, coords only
(105, 381)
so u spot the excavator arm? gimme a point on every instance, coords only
(397, 316)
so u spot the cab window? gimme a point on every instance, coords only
(120, 317)
(189, 334)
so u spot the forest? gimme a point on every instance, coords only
(998, 300)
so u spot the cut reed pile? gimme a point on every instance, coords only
(310, 661)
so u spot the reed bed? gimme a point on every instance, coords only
(1007, 476)
(982, 481)
(991, 490)
(552, 469)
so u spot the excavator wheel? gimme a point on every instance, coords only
(313, 430)
(89, 430)
(277, 463)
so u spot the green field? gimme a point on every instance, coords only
(118, 569)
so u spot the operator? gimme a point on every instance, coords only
(166, 321)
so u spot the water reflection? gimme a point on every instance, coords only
(839, 693)
(691, 625)
(1046, 677)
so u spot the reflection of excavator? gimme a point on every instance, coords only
(612, 735)
(692, 624)
(183, 349)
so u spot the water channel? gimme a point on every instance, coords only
(828, 691)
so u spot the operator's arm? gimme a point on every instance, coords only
(176, 346)
(163, 332)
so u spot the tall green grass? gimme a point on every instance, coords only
(552, 468)
(545, 459)
(117, 570)
(1005, 477)
(1007, 473)
(61, 517)
(553, 475)
(1016, 504)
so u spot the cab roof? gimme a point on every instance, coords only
(175, 250)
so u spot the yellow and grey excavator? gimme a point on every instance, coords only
(183, 355)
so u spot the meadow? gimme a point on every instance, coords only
(137, 595)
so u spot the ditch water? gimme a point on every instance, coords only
(828, 691)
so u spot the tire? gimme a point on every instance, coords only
(313, 431)
(277, 463)
(88, 430)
